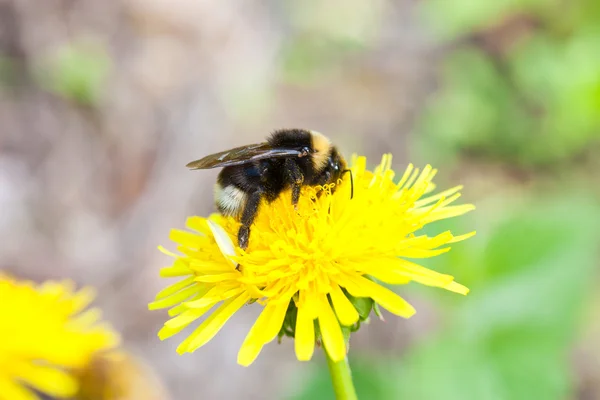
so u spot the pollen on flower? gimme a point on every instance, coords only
(47, 334)
(333, 248)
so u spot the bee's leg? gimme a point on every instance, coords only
(296, 179)
(250, 211)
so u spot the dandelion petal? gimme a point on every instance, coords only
(363, 287)
(211, 326)
(457, 288)
(460, 238)
(179, 268)
(223, 241)
(187, 317)
(174, 288)
(333, 339)
(304, 341)
(51, 381)
(262, 332)
(13, 391)
(344, 309)
(174, 299)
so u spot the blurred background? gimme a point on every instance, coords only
(102, 103)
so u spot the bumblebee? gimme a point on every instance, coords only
(290, 158)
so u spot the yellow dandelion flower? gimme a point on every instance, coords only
(309, 266)
(46, 333)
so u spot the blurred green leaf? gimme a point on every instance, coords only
(447, 369)
(460, 17)
(510, 338)
(77, 72)
(341, 21)
(562, 77)
(476, 110)
(7, 71)
(306, 59)
(325, 34)
(524, 241)
(451, 19)
(506, 369)
(522, 85)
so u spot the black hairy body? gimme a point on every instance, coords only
(290, 158)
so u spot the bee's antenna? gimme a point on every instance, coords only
(351, 182)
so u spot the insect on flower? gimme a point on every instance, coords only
(317, 270)
(290, 158)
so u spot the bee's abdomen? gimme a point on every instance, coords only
(230, 200)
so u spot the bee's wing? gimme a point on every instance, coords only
(242, 155)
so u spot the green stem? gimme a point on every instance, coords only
(341, 377)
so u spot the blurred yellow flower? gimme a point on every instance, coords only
(45, 334)
(118, 375)
(311, 264)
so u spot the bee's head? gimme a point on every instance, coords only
(326, 157)
(336, 161)
(321, 151)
